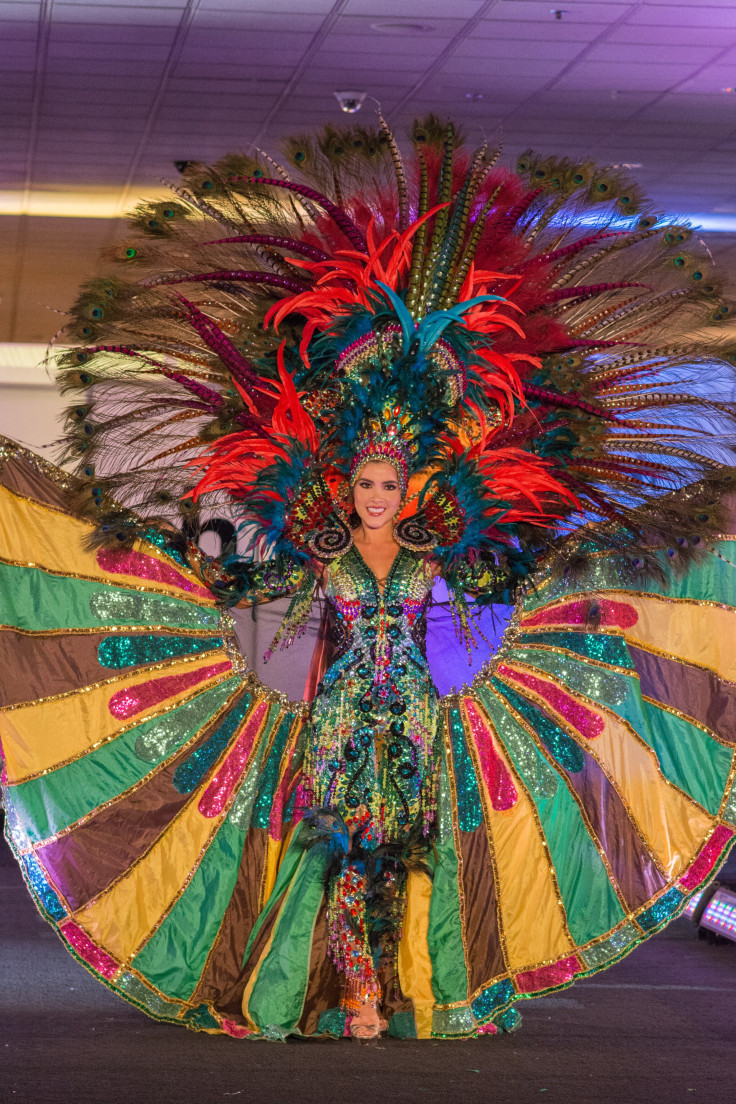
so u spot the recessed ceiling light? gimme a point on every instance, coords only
(396, 27)
(474, 96)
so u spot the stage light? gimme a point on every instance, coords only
(692, 904)
(720, 914)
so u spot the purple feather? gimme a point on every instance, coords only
(340, 217)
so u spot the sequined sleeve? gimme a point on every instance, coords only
(482, 579)
(237, 582)
(282, 577)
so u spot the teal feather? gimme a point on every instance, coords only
(431, 328)
(403, 315)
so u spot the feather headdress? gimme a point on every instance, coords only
(527, 348)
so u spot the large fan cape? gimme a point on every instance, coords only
(587, 787)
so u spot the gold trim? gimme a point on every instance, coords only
(691, 720)
(106, 630)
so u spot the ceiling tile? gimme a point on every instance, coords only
(685, 15)
(407, 10)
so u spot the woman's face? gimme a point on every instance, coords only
(377, 494)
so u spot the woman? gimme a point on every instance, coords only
(372, 758)
(479, 384)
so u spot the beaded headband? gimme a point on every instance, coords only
(382, 449)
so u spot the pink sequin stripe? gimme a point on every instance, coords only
(586, 722)
(548, 977)
(147, 567)
(214, 799)
(618, 615)
(707, 858)
(501, 788)
(303, 801)
(134, 699)
(87, 950)
(487, 1029)
(276, 820)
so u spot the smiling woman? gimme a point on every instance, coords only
(383, 375)
(377, 500)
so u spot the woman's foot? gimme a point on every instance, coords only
(366, 1023)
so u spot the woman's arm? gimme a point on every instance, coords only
(242, 583)
(480, 579)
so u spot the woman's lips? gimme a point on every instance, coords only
(376, 510)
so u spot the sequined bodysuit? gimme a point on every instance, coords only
(374, 719)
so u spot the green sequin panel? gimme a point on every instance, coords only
(538, 776)
(602, 573)
(166, 734)
(470, 813)
(710, 580)
(561, 746)
(610, 948)
(132, 651)
(138, 993)
(453, 1021)
(115, 607)
(729, 813)
(445, 834)
(191, 772)
(332, 1022)
(601, 686)
(606, 649)
(241, 810)
(157, 538)
(201, 1019)
(269, 778)
(665, 907)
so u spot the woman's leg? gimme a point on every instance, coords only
(352, 954)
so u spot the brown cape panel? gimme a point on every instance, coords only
(323, 987)
(26, 477)
(223, 978)
(481, 920)
(44, 664)
(697, 693)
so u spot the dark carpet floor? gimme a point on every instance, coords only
(659, 1028)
